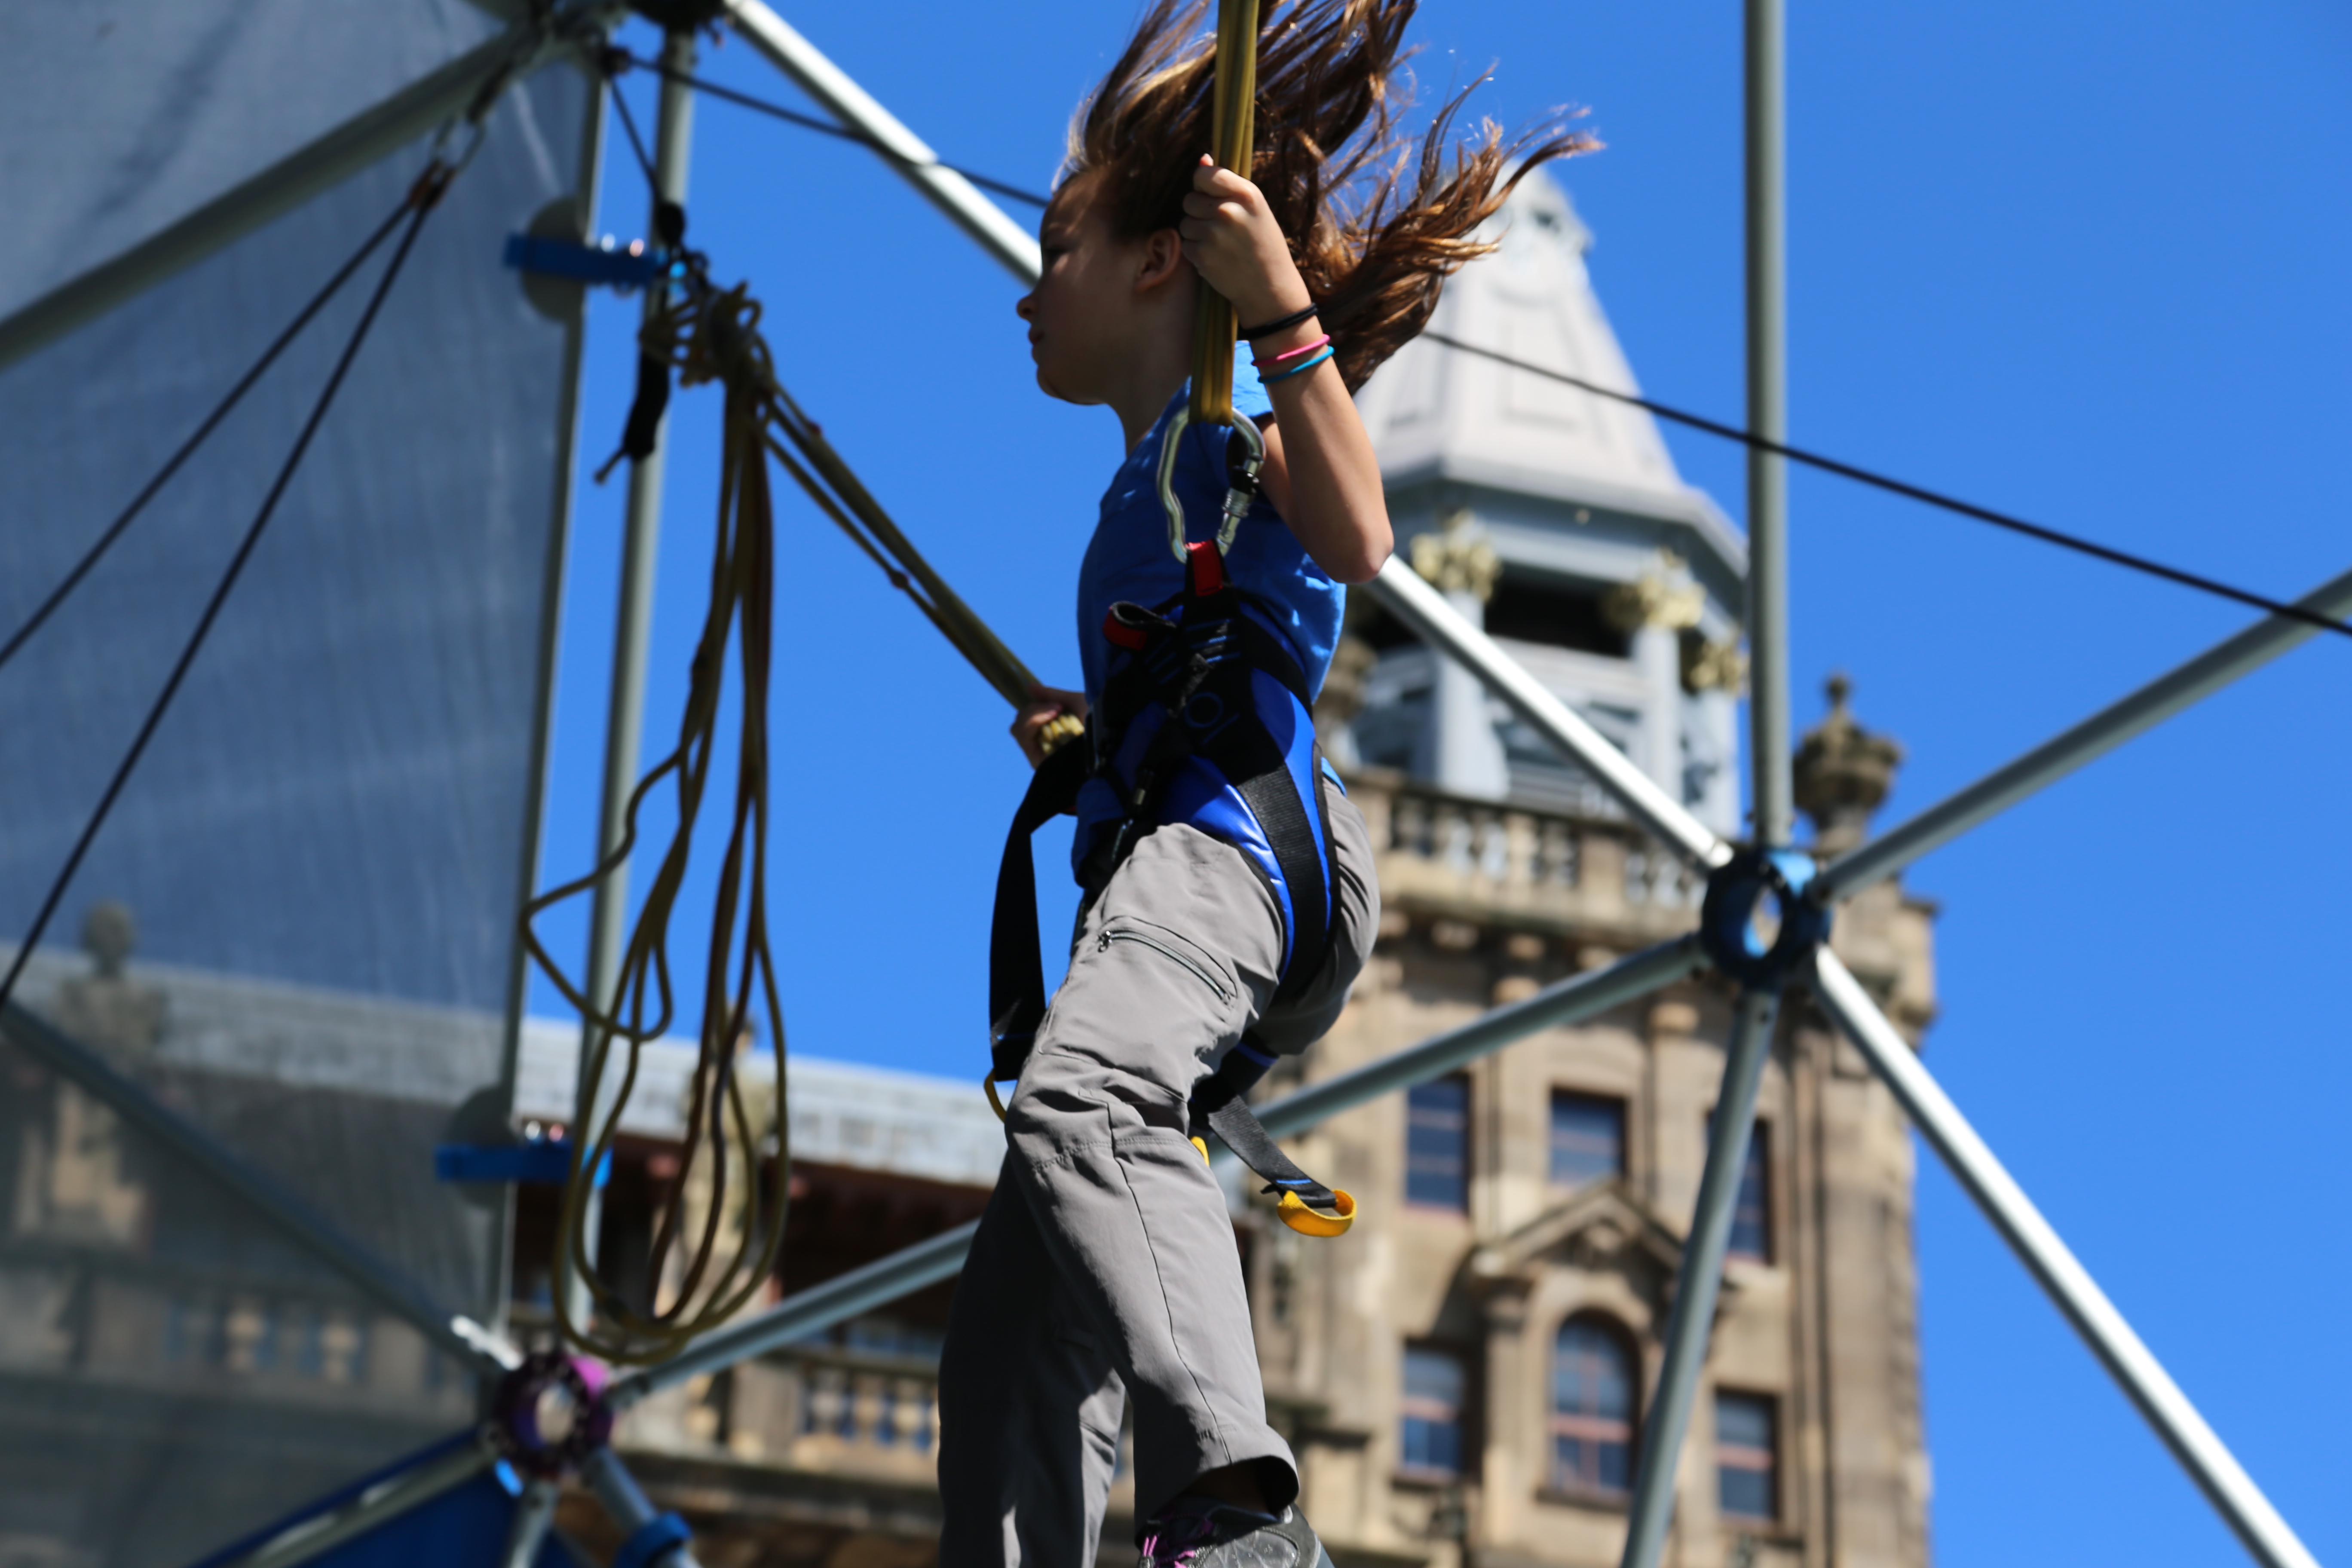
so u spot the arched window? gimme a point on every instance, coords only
(1591, 1409)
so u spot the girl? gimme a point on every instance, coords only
(1105, 1271)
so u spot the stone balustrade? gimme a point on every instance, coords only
(1500, 862)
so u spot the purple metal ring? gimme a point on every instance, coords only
(514, 1412)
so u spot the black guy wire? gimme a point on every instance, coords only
(114, 531)
(618, 57)
(629, 124)
(824, 127)
(1916, 492)
(422, 197)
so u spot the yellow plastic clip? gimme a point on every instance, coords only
(995, 1104)
(1317, 1222)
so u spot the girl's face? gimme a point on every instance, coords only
(1094, 302)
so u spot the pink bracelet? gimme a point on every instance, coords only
(1294, 354)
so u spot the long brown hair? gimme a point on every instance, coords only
(1374, 224)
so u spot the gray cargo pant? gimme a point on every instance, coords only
(1105, 1267)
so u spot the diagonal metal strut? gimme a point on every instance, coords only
(2059, 1272)
(2085, 743)
(378, 1280)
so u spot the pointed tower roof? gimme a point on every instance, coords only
(1436, 413)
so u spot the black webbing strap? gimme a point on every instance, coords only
(1237, 1126)
(1016, 968)
(1273, 799)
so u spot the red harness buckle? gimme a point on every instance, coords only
(1208, 568)
(1121, 635)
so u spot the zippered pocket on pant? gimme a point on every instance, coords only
(1207, 976)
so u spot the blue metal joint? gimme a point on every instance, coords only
(1727, 923)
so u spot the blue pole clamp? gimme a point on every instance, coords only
(654, 1538)
(539, 1160)
(624, 267)
(1725, 921)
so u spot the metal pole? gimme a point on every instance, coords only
(885, 1279)
(1010, 242)
(2093, 738)
(459, 1336)
(534, 1515)
(320, 1533)
(1767, 416)
(626, 1502)
(1700, 1280)
(2047, 1258)
(1569, 1001)
(631, 638)
(542, 705)
(1400, 590)
(277, 190)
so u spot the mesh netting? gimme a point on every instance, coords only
(299, 917)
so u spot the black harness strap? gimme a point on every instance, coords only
(1016, 967)
(1197, 670)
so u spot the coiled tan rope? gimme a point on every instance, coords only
(707, 1266)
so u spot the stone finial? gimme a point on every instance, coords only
(1457, 559)
(107, 1009)
(108, 934)
(1666, 597)
(1843, 772)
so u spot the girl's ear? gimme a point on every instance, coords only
(1162, 258)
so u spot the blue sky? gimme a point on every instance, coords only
(2083, 261)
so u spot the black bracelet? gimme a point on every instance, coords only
(1290, 321)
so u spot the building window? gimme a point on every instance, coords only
(1747, 1455)
(1437, 1144)
(1588, 1138)
(1591, 1409)
(1751, 1218)
(1434, 1383)
(1547, 610)
(1751, 1210)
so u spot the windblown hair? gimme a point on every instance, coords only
(1375, 223)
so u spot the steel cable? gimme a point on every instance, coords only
(114, 531)
(422, 198)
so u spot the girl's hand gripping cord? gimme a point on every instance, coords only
(1233, 242)
(1051, 718)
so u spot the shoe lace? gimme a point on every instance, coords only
(1175, 1539)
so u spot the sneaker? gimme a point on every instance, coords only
(1200, 1532)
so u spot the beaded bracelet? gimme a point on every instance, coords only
(1294, 354)
(1299, 369)
(1271, 328)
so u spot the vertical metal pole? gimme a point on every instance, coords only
(1767, 416)
(625, 726)
(500, 1283)
(1701, 1279)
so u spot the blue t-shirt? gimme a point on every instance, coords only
(1129, 559)
(1128, 556)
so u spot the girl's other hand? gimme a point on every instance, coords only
(1232, 239)
(1047, 704)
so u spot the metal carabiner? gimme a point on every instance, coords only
(1238, 498)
